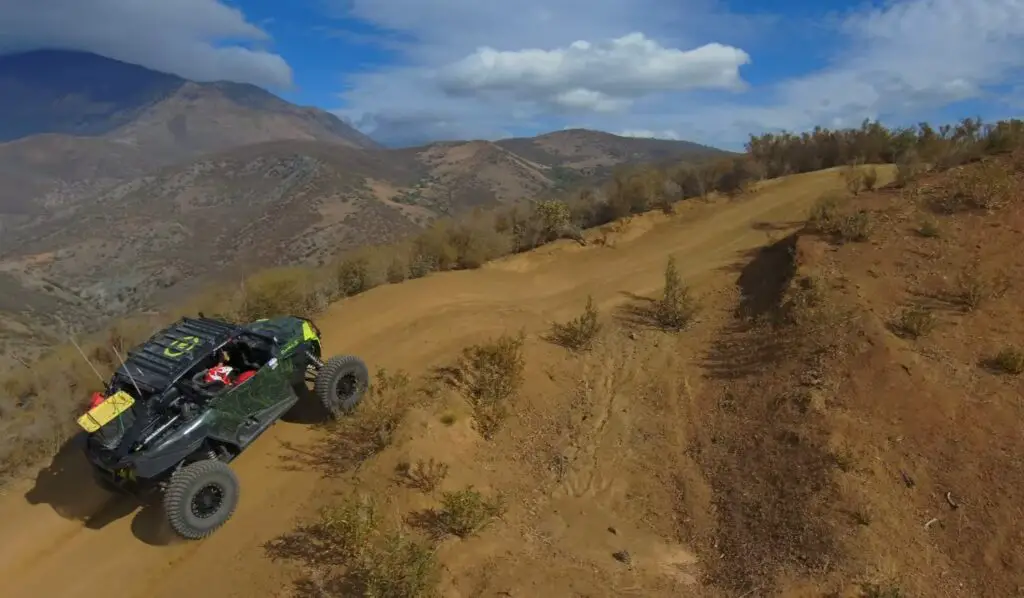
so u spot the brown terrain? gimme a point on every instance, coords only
(839, 416)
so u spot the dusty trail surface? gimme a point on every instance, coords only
(60, 537)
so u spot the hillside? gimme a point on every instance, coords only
(283, 202)
(78, 123)
(559, 459)
(837, 416)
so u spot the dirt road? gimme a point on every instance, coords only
(47, 549)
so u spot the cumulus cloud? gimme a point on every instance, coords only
(600, 76)
(483, 69)
(198, 39)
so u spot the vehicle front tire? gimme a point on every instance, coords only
(200, 498)
(341, 383)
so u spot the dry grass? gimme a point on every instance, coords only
(350, 552)
(579, 333)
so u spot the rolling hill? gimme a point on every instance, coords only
(123, 187)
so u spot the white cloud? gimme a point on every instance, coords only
(473, 65)
(197, 39)
(586, 75)
(648, 134)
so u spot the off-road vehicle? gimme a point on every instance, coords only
(195, 395)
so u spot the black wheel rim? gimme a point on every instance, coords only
(207, 501)
(345, 391)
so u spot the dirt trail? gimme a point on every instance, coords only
(47, 550)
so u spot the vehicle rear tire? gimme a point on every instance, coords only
(200, 498)
(341, 383)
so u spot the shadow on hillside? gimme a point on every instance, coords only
(638, 312)
(768, 227)
(750, 342)
(67, 486)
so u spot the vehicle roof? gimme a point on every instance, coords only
(167, 355)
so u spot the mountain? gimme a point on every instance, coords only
(124, 189)
(76, 123)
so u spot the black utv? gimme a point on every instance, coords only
(194, 396)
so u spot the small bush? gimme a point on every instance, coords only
(908, 168)
(826, 218)
(491, 375)
(870, 178)
(929, 229)
(974, 290)
(276, 292)
(855, 227)
(1009, 360)
(677, 307)
(353, 276)
(465, 512)
(914, 322)
(357, 556)
(824, 215)
(853, 178)
(988, 186)
(579, 333)
(348, 527)
(423, 475)
(397, 271)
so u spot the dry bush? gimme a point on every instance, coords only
(355, 275)
(826, 218)
(423, 475)
(1009, 360)
(355, 554)
(870, 178)
(914, 322)
(464, 513)
(279, 291)
(490, 376)
(986, 186)
(579, 333)
(677, 307)
(367, 431)
(824, 214)
(908, 168)
(974, 289)
(476, 242)
(853, 178)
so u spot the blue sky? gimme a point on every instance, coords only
(714, 71)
